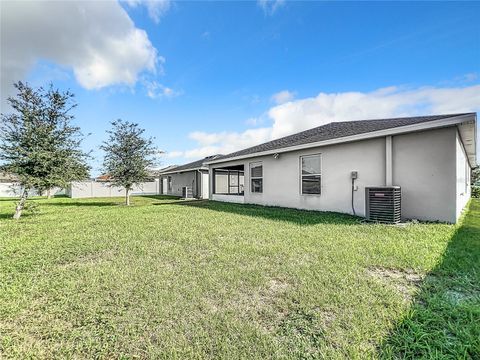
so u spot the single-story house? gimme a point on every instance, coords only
(188, 180)
(329, 167)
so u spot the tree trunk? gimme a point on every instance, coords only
(127, 196)
(49, 194)
(20, 205)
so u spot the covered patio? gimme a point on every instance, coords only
(229, 184)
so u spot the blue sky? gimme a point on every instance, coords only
(207, 77)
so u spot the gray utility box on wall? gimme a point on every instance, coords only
(187, 192)
(383, 204)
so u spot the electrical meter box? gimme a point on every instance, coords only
(354, 174)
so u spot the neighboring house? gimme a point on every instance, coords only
(193, 176)
(429, 157)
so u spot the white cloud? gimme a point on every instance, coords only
(156, 8)
(97, 40)
(283, 97)
(253, 121)
(386, 102)
(307, 113)
(156, 90)
(270, 6)
(469, 77)
(222, 143)
(173, 154)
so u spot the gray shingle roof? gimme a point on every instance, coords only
(335, 130)
(191, 166)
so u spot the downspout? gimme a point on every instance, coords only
(388, 161)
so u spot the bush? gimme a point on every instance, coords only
(476, 191)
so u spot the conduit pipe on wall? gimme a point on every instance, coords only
(388, 161)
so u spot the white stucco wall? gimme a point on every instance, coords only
(239, 199)
(204, 185)
(463, 189)
(281, 177)
(424, 164)
(180, 180)
(190, 179)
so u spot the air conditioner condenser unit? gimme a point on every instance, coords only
(383, 204)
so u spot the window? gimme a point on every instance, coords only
(256, 177)
(169, 182)
(311, 174)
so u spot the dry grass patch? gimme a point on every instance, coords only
(405, 281)
(90, 259)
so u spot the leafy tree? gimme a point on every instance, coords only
(128, 155)
(476, 176)
(38, 143)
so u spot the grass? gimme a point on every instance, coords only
(90, 278)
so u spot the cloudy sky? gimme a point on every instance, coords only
(214, 77)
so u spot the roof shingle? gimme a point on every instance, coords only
(335, 130)
(190, 166)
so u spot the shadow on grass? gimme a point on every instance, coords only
(301, 217)
(159, 197)
(444, 321)
(118, 201)
(85, 203)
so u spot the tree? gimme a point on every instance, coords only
(128, 155)
(476, 176)
(38, 143)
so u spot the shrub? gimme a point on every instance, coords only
(476, 191)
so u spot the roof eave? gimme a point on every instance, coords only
(183, 170)
(454, 120)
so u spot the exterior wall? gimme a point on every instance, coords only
(281, 177)
(204, 185)
(424, 167)
(429, 166)
(164, 182)
(463, 171)
(239, 199)
(196, 180)
(180, 180)
(87, 189)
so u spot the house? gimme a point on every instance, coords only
(327, 168)
(192, 176)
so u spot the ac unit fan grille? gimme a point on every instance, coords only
(383, 204)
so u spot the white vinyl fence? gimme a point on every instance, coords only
(90, 188)
(14, 190)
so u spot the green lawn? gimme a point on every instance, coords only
(91, 278)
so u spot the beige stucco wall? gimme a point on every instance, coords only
(424, 164)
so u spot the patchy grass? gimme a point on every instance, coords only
(166, 278)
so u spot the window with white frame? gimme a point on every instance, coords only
(256, 177)
(311, 174)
